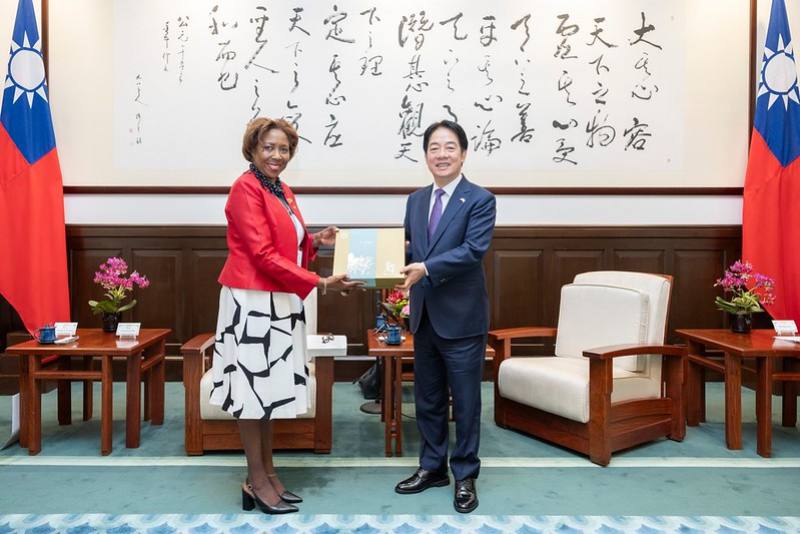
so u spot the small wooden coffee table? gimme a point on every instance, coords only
(764, 349)
(144, 355)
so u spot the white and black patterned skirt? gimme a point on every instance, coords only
(259, 367)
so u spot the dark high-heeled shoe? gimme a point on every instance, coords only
(249, 501)
(291, 498)
(287, 495)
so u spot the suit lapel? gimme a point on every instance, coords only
(422, 216)
(454, 205)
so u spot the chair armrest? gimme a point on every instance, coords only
(523, 331)
(198, 344)
(615, 351)
(193, 352)
(500, 340)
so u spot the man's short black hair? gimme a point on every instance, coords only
(450, 125)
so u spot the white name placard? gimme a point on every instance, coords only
(128, 329)
(66, 329)
(785, 328)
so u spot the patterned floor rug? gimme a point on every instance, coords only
(399, 524)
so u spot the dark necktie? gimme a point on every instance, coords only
(436, 213)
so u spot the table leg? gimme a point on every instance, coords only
(88, 394)
(398, 405)
(133, 408)
(106, 406)
(64, 393)
(158, 375)
(764, 406)
(24, 395)
(147, 377)
(694, 383)
(702, 403)
(388, 403)
(733, 401)
(789, 402)
(34, 411)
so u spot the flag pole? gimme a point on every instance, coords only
(46, 38)
(753, 68)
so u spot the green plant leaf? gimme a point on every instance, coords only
(127, 306)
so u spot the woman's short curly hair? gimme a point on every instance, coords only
(258, 127)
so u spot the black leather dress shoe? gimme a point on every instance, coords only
(422, 480)
(466, 497)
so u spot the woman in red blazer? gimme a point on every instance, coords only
(259, 366)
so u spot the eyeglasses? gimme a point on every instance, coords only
(327, 338)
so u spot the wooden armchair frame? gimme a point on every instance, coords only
(611, 426)
(206, 435)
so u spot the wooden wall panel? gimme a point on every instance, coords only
(516, 280)
(689, 294)
(643, 261)
(525, 267)
(202, 300)
(163, 302)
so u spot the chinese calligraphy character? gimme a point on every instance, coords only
(565, 31)
(455, 20)
(335, 31)
(637, 135)
(525, 134)
(524, 22)
(563, 151)
(295, 19)
(485, 140)
(332, 139)
(596, 34)
(414, 26)
(642, 31)
(602, 134)
(487, 31)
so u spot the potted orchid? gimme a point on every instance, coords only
(111, 276)
(745, 292)
(396, 307)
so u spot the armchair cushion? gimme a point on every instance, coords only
(657, 287)
(561, 385)
(599, 315)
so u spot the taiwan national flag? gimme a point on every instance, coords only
(33, 259)
(771, 219)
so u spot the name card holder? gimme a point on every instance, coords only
(785, 328)
(128, 330)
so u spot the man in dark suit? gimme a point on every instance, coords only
(449, 228)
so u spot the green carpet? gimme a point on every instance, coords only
(552, 481)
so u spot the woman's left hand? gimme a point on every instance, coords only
(325, 237)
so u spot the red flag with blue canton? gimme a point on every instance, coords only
(33, 258)
(771, 218)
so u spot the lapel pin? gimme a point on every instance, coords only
(462, 200)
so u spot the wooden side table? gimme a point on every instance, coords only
(145, 357)
(392, 390)
(764, 349)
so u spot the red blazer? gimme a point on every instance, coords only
(262, 242)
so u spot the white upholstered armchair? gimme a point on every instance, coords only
(210, 428)
(612, 383)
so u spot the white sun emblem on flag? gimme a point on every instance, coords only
(779, 75)
(26, 71)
